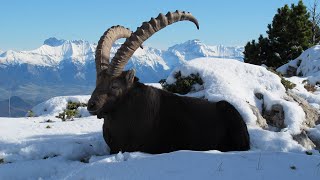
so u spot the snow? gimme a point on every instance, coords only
(312, 98)
(51, 55)
(56, 105)
(36, 148)
(204, 165)
(32, 151)
(54, 50)
(315, 132)
(58, 57)
(195, 48)
(237, 83)
(307, 64)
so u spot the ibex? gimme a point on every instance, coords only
(142, 118)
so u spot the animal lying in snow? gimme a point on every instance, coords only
(142, 118)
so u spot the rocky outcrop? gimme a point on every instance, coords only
(260, 120)
(304, 140)
(312, 115)
(291, 71)
(275, 117)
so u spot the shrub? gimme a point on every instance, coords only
(74, 105)
(287, 84)
(308, 86)
(30, 113)
(183, 85)
(71, 110)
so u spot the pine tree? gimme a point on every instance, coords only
(288, 35)
(279, 37)
(300, 30)
(251, 54)
(258, 52)
(315, 20)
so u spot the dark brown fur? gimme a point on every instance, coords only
(147, 119)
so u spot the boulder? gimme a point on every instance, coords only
(275, 116)
(291, 71)
(312, 115)
(304, 140)
(260, 120)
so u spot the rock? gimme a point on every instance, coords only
(260, 120)
(275, 116)
(313, 134)
(291, 71)
(304, 140)
(312, 115)
(259, 96)
(316, 142)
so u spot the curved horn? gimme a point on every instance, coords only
(105, 43)
(146, 30)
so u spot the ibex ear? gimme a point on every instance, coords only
(130, 76)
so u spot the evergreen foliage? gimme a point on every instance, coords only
(287, 84)
(71, 111)
(288, 35)
(30, 113)
(183, 85)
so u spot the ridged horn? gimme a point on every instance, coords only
(104, 46)
(146, 30)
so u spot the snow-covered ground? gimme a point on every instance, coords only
(46, 147)
(32, 148)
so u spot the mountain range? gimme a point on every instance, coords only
(67, 67)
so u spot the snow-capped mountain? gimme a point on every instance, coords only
(69, 64)
(195, 48)
(51, 53)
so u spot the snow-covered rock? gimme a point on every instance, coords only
(307, 64)
(307, 67)
(56, 105)
(314, 134)
(238, 83)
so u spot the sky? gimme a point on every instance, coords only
(25, 24)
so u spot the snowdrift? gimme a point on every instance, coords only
(307, 65)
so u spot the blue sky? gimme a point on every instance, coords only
(25, 24)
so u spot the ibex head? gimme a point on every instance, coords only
(112, 82)
(109, 90)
